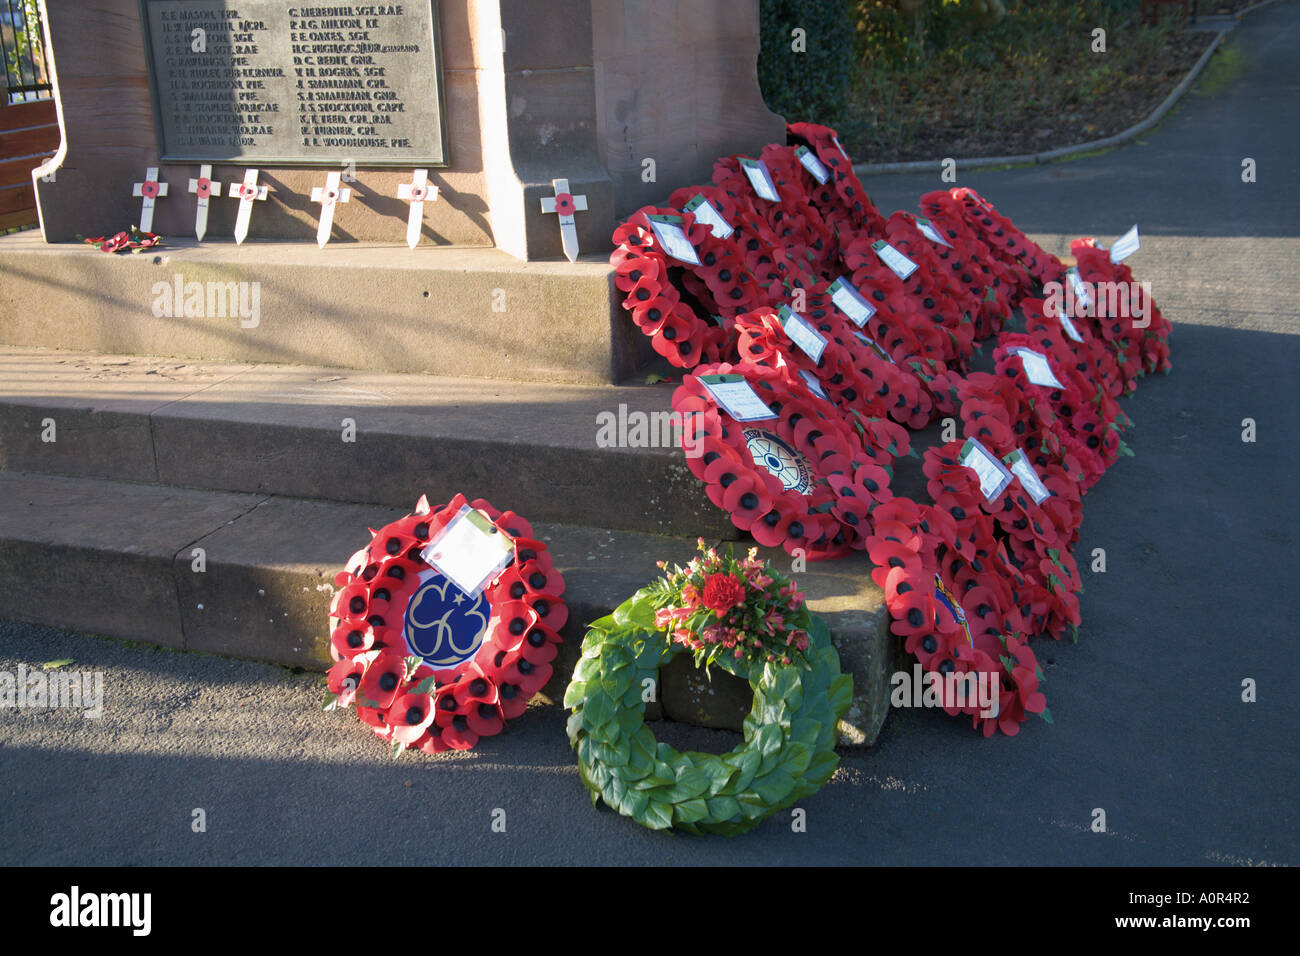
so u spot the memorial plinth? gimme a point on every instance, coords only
(497, 98)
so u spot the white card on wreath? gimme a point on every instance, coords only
(899, 263)
(1037, 369)
(1125, 245)
(760, 178)
(707, 213)
(808, 159)
(469, 551)
(802, 333)
(668, 230)
(1079, 287)
(926, 228)
(1067, 323)
(737, 397)
(849, 301)
(814, 386)
(993, 475)
(1022, 469)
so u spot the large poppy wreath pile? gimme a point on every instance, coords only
(851, 328)
(426, 664)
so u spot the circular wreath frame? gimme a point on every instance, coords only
(461, 703)
(788, 752)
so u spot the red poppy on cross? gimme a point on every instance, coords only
(565, 204)
(416, 192)
(150, 190)
(329, 196)
(248, 191)
(203, 187)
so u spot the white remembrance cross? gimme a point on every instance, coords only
(328, 197)
(150, 189)
(204, 187)
(247, 191)
(416, 192)
(565, 204)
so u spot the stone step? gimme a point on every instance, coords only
(444, 310)
(280, 429)
(120, 559)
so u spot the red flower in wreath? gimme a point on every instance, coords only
(722, 592)
(564, 204)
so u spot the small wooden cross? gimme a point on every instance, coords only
(150, 190)
(203, 187)
(565, 204)
(416, 192)
(248, 191)
(329, 196)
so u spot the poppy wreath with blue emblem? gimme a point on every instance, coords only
(427, 665)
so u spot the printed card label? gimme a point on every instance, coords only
(469, 551)
(708, 214)
(992, 474)
(1037, 368)
(1022, 469)
(760, 178)
(808, 159)
(737, 397)
(814, 386)
(850, 301)
(1079, 288)
(1125, 246)
(668, 230)
(802, 333)
(899, 263)
(927, 229)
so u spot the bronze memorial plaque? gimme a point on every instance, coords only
(268, 82)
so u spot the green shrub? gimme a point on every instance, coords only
(811, 86)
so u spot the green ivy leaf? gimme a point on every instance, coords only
(690, 811)
(331, 702)
(768, 739)
(723, 807)
(657, 815)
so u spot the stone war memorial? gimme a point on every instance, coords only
(474, 353)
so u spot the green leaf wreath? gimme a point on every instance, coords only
(788, 751)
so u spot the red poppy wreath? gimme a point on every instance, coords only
(429, 664)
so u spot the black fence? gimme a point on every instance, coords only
(22, 47)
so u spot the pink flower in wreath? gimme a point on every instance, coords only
(663, 618)
(794, 594)
(722, 592)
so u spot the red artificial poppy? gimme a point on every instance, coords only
(344, 678)
(409, 715)
(383, 679)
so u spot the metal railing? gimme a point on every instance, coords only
(22, 48)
